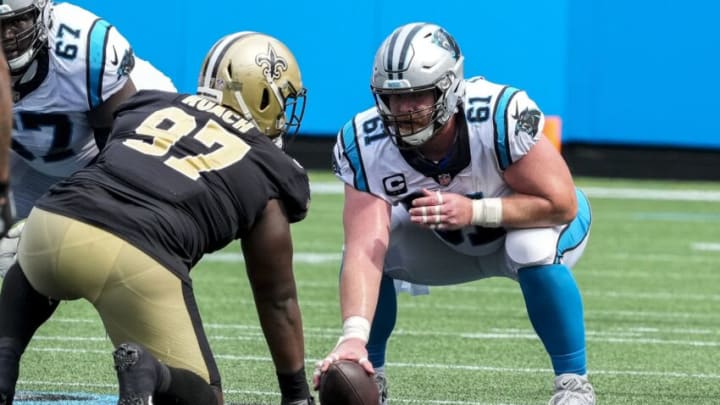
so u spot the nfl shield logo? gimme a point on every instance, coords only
(444, 179)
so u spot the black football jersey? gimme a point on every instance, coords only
(181, 176)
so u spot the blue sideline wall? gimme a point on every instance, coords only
(617, 72)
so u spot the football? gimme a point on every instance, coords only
(347, 383)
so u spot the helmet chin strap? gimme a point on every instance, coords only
(420, 137)
(25, 73)
(19, 64)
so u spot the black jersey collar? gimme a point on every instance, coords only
(457, 158)
(20, 90)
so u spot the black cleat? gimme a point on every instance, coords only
(6, 399)
(137, 372)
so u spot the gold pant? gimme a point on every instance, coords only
(137, 298)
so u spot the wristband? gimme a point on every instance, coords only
(3, 188)
(487, 212)
(355, 327)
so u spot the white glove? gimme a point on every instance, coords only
(8, 247)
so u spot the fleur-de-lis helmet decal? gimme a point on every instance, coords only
(271, 63)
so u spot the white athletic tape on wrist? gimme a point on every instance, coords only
(487, 212)
(355, 327)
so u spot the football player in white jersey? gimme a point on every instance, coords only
(70, 70)
(450, 180)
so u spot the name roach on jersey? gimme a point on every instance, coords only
(227, 115)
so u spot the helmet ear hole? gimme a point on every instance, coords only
(265, 101)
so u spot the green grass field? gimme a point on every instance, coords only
(650, 279)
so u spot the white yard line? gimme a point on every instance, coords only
(635, 335)
(623, 193)
(706, 246)
(301, 257)
(438, 366)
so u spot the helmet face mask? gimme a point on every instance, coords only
(27, 21)
(294, 111)
(407, 121)
(257, 76)
(417, 57)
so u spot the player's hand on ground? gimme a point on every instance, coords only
(350, 349)
(441, 210)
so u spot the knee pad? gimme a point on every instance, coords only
(531, 247)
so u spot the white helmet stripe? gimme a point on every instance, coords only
(398, 49)
(216, 55)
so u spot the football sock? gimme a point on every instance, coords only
(555, 309)
(22, 309)
(186, 388)
(294, 386)
(10, 352)
(383, 322)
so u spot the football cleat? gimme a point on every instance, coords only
(382, 384)
(137, 372)
(572, 389)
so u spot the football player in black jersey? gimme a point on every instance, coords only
(182, 175)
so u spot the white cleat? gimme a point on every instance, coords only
(572, 389)
(382, 384)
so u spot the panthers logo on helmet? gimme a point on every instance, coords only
(527, 121)
(446, 41)
(272, 64)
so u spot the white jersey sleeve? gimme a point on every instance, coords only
(518, 124)
(89, 56)
(145, 76)
(354, 155)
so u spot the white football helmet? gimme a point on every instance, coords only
(21, 48)
(418, 57)
(257, 76)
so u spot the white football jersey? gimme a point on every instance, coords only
(501, 125)
(502, 122)
(87, 61)
(85, 66)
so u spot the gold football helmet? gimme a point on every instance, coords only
(257, 76)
